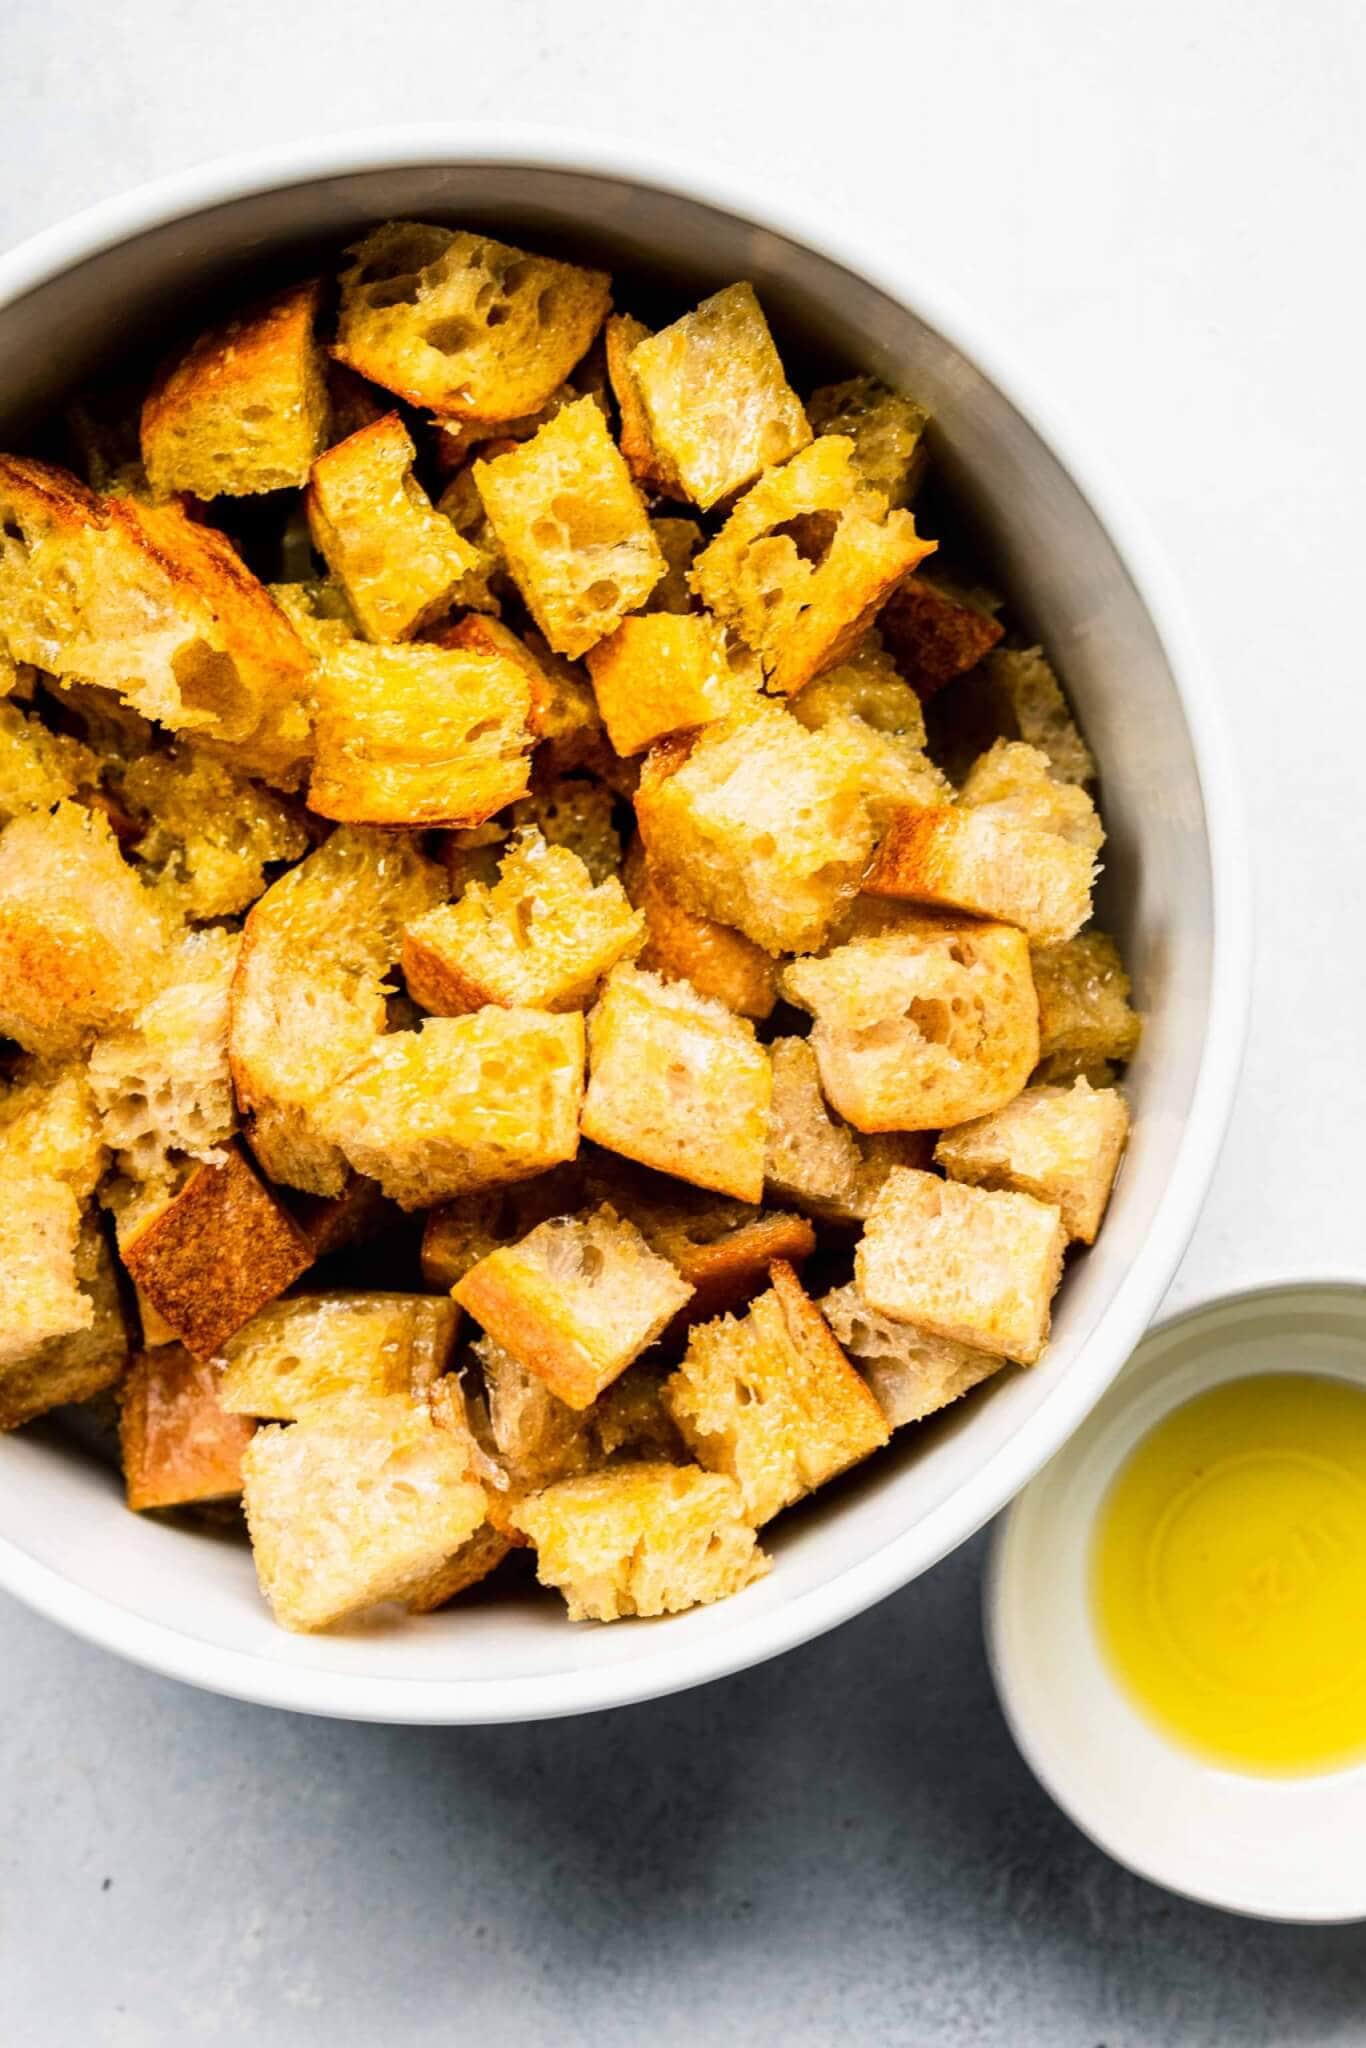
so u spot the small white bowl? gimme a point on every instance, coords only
(1280, 1848)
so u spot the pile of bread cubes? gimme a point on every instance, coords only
(470, 827)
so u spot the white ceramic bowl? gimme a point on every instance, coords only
(1081, 577)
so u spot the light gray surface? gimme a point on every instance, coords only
(1159, 207)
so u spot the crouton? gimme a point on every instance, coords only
(759, 824)
(682, 946)
(717, 407)
(568, 811)
(40, 1292)
(926, 1027)
(312, 1348)
(937, 630)
(955, 858)
(50, 1128)
(661, 672)
(484, 586)
(463, 1103)
(722, 1248)
(805, 561)
(1016, 781)
(573, 528)
(677, 1082)
(161, 1080)
(878, 717)
(81, 940)
(418, 736)
(457, 439)
(643, 459)
(575, 1301)
(215, 1253)
(629, 1419)
(477, 1556)
(39, 768)
(1019, 698)
(543, 937)
(178, 1444)
(352, 1504)
(538, 1438)
(462, 324)
(46, 1373)
(1061, 1145)
(400, 562)
(1085, 1018)
(245, 409)
(887, 430)
(815, 1160)
(564, 714)
(473, 854)
(208, 832)
(333, 1222)
(969, 1264)
(641, 1539)
(317, 608)
(772, 1401)
(458, 1234)
(910, 1373)
(308, 997)
(679, 540)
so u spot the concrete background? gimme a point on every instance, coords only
(1162, 207)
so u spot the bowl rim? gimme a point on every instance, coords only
(245, 1675)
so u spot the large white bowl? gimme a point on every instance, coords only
(1081, 577)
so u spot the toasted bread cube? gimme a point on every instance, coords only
(805, 562)
(462, 324)
(772, 1401)
(572, 526)
(564, 713)
(969, 1264)
(543, 937)
(161, 1081)
(51, 1156)
(1061, 1145)
(1085, 1018)
(50, 1128)
(886, 428)
(938, 630)
(759, 824)
(209, 832)
(315, 1347)
(661, 672)
(867, 685)
(641, 1539)
(538, 1438)
(679, 540)
(1014, 695)
(460, 1233)
(81, 941)
(677, 1082)
(911, 1374)
(456, 439)
(218, 1251)
(463, 1103)
(723, 1249)
(955, 858)
(718, 409)
(45, 1373)
(333, 1222)
(923, 1028)
(812, 1158)
(477, 1556)
(245, 409)
(178, 1443)
(353, 1504)
(575, 1301)
(567, 811)
(1016, 781)
(40, 1292)
(39, 768)
(680, 945)
(624, 333)
(418, 736)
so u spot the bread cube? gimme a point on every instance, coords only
(718, 409)
(661, 672)
(1016, 782)
(911, 1374)
(937, 630)
(927, 1027)
(1085, 1017)
(1061, 1145)
(464, 325)
(1026, 702)
(39, 768)
(955, 858)
(772, 1401)
(758, 824)
(886, 428)
(575, 1301)
(177, 1442)
(313, 1348)
(462, 1103)
(564, 714)
(245, 409)
(40, 1293)
(331, 1223)
(679, 540)
(352, 1504)
(678, 1083)
(568, 811)
(538, 1438)
(418, 736)
(624, 333)
(811, 1157)
(805, 562)
(641, 1539)
(543, 937)
(37, 1372)
(867, 685)
(456, 439)
(50, 1128)
(971, 1264)
(680, 945)
(722, 1248)
(161, 1081)
(209, 833)
(477, 1556)
(460, 1233)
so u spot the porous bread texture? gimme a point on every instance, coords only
(815, 1160)
(679, 540)
(568, 811)
(208, 832)
(1016, 781)
(911, 1373)
(681, 945)
(1085, 1017)
(660, 673)
(929, 1026)
(563, 718)
(308, 997)
(879, 717)
(805, 561)
(485, 586)
(573, 528)
(886, 428)
(954, 858)
(641, 1539)
(538, 1439)
(177, 1443)
(771, 1400)
(677, 1082)
(457, 439)
(758, 824)
(353, 1503)
(51, 1157)
(50, 1372)
(317, 608)
(543, 937)
(456, 1235)
(464, 325)
(314, 1348)
(1030, 700)
(575, 1301)
(39, 768)
(245, 409)
(938, 631)
(722, 1248)
(401, 563)
(971, 1264)
(1062, 1145)
(623, 333)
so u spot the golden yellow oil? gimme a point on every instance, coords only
(1228, 1574)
